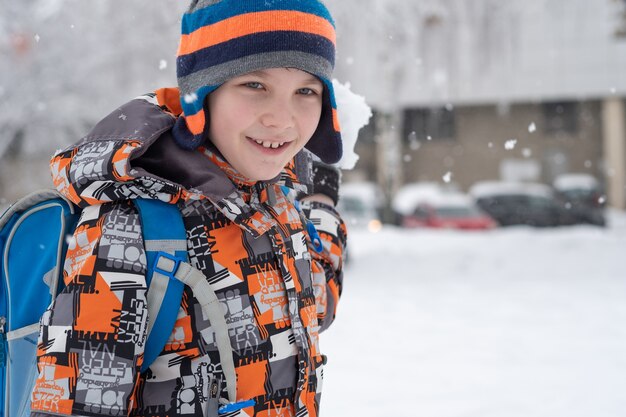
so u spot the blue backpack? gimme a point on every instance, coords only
(33, 242)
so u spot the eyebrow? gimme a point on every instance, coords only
(311, 79)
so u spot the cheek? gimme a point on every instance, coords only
(310, 119)
(231, 117)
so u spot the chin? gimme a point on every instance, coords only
(263, 176)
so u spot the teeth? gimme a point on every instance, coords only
(273, 145)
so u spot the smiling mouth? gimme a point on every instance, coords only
(268, 144)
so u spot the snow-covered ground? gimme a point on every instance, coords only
(515, 322)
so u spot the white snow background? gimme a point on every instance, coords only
(514, 322)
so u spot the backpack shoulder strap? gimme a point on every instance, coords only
(164, 238)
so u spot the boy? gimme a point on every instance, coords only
(227, 149)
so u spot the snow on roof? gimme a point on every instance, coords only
(575, 181)
(410, 195)
(493, 188)
(451, 200)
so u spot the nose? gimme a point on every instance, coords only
(277, 113)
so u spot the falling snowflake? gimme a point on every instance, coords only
(447, 177)
(122, 116)
(602, 199)
(490, 145)
(429, 138)
(349, 60)
(510, 144)
(191, 98)
(527, 152)
(449, 107)
(37, 37)
(162, 64)
(613, 90)
(532, 127)
(588, 164)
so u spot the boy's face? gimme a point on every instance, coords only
(261, 120)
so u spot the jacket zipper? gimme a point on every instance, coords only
(212, 408)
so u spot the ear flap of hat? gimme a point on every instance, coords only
(183, 136)
(326, 141)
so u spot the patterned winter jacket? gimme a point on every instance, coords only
(249, 240)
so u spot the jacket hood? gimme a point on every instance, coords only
(131, 153)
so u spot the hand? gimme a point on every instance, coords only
(326, 180)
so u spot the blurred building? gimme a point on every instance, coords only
(463, 90)
(485, 89)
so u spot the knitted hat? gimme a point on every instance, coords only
(223, 39)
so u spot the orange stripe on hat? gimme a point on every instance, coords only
(336, 121)
(250, 23)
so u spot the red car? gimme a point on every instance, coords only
(452, 212)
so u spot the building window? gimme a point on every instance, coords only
(429, 124)
(560, 117)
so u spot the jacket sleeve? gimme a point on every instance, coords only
(327, 265)
(92, 337)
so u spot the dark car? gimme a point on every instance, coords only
(581, 197)
(519, 203)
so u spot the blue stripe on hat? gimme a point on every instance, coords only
(253, 44)
(192, 107)
(226, 9)
(329, 87)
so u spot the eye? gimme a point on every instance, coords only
(307, 91)
(254, 85)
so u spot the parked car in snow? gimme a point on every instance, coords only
(449, 211)
(581, 198)
(427, 204)
(512, 203)
(359, 205)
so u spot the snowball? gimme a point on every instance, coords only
(354, 113)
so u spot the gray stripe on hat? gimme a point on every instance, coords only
(200, 4)
(218, 74)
